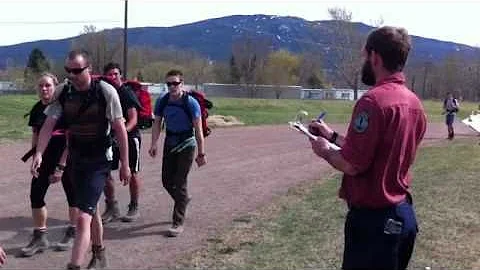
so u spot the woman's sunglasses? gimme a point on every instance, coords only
(173, 83)
(75, 71)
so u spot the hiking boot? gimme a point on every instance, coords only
(175, 230)
(112, 212)
(132, 213)
(39, 243)
(70, 266)
(67, 241)
(98, 260)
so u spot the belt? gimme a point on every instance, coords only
(381, 209)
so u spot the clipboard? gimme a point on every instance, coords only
(301, 127)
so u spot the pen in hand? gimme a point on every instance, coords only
(320, 116)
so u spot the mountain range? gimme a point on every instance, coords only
(213, 38)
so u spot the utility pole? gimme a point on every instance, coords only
(125, 42)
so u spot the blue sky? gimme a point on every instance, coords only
(30, 20)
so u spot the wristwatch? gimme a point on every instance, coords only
(334, 137)
(201, 155)
(60, 167)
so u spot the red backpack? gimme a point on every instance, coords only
(204, 103)
(145, 114)
(144, 99)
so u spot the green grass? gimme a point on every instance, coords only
(305, 228)
(12, 109)
(248, 111)
(274, 111)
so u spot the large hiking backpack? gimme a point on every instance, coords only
(95, 95)
(145, 111)
(204, 103)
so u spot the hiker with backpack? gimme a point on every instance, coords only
(183, 121)
(90, 108)
(53, 169)
(450, 107)
(130, 107)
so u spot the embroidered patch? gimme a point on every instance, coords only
(360, 123)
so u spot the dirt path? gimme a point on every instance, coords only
(247, 167)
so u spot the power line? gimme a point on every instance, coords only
(55, 22)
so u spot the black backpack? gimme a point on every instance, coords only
(95, 94)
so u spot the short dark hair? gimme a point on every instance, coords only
(174, 72)
(79, 52)
(110, 66)
(392, 44)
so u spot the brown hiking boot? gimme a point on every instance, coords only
(39, 243)
(175, 230)
(112, 212)
(70, 266)
(98, 261)
(132, 213)
(67, 241)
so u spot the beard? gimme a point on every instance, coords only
(368, 77)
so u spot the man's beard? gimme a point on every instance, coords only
(368, 77)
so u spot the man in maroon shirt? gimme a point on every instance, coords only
(387, 126)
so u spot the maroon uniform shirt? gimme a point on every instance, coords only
(387, 126)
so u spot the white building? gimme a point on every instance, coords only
(339, 94)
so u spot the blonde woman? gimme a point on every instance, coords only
(52, 170)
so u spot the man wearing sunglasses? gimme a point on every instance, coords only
(183, 134)
(90, 108)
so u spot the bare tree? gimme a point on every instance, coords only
(310, 71)
(102, 48)
(250, 55)
(345, 48)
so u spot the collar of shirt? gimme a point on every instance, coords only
(397, 77)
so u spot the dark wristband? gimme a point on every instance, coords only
(334, 137)
(201, 155)
(60, 167)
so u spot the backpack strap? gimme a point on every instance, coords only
(164, 103)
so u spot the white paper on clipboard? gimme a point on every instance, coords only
(300, 127)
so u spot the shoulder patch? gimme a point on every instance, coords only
(360, 124)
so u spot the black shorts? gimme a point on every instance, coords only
(89, 176)
(134, 144)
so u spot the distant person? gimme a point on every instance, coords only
(130, 106)
(450, 109)
(54, 168)
(91, 109)
(183, 135)
(387, 125)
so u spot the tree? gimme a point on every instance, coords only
(234, 72)
(346, 48)
(310, 71)
(250, 55)
(282, 69)
(37, 63)
(102, 48)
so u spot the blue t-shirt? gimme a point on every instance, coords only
(175, 117)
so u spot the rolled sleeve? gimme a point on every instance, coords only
(114, 108)
(194, 107)
(363, 135)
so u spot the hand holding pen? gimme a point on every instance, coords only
(318, 127)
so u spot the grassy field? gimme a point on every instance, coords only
(305, 228)
(249, 111)
(13, 125)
